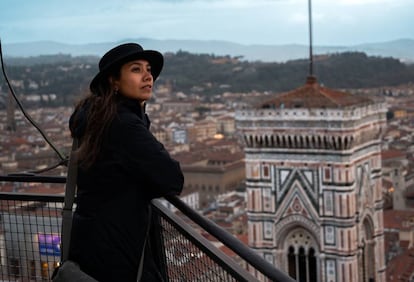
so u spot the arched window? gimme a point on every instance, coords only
(312, 265)
(301, 256)
(292, 262)
(302, 265)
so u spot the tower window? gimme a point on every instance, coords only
(266, 171)
(302, 264)
(292, 262)
(327, 175)
(301, 256)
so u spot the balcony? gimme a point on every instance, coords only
(30, 227)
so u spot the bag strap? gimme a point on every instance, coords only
(69, 200)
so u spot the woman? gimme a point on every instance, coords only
(121, 167)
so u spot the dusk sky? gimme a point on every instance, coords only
(335, 22)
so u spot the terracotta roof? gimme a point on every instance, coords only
(404, 244)
(313, 95)
(220, 155)
(392, 154)
(399, 219)
(242, 237)
(401, 268)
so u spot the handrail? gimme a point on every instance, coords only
(237, 271)
(29, 177)
(248, 254)
(58, 198)
(231, 242)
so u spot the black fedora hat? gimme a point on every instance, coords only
(124, 53)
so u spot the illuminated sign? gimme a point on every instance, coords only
(49, 244)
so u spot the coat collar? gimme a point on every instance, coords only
(133, 105)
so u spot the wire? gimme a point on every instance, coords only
(61, 157)
(34, 172)
(62, 162)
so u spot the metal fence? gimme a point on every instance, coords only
(187, 256)
(29, 236)
(30, 227)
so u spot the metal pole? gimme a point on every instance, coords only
(310, 38)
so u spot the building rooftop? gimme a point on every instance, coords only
(392, 154)
(399, 219)
(313, 95)
(401, 267)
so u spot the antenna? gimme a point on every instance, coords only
(310, 38)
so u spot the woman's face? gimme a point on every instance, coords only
(135, 80)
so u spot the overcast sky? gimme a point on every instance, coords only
(335, 22)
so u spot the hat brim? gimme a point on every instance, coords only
(155, 59)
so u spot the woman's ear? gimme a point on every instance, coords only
(113, 83)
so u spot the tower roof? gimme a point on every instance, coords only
(313, 95)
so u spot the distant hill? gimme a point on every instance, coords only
(68, 76)
(402, 49)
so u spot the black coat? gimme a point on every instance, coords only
(111, 218)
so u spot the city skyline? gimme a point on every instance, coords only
(273, 22)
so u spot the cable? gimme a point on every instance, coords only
(34, 172)
(62, 162)
(61, 157)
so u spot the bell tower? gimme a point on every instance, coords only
(313, 180)
(11, 122)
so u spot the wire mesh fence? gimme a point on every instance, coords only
(30, 227)
(29, 237)
(188, 256)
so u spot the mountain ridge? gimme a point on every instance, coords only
(402, 49)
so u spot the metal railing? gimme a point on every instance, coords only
(30, 227)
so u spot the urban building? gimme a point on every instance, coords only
(399, 244)
(314, 183)
(212, 172)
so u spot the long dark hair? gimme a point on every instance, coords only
(101, 105)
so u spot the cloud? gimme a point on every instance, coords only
(367, 2)
(242, 21)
